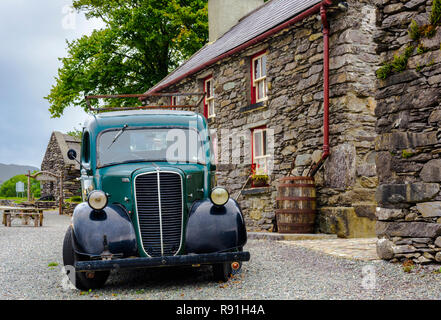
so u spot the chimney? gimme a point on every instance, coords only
(223, 14)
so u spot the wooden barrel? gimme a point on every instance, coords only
(296, 203)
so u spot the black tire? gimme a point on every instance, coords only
(222, 271)
(79, 279)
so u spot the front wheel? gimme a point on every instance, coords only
(81, 280)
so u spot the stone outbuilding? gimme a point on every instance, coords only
(263, 74)
(56, 161)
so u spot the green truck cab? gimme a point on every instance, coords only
(150, 199)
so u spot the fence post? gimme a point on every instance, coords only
(61, 193)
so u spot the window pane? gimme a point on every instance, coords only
(261, 90)
(261, 166)
(256, 69)
(208, 88)
(211, 89)
(264, 142)
(211, 107)
(258, 144)
(263, 65)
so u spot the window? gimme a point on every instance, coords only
(175, 101)
(209, 98)
(260, 154)
(150, 145)
(259, 88)
(86, 147)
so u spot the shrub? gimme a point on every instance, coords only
(428, 30)
(435, 15)
(406, 154)
(398, 64)
(414, 31)
(384, 71)
(400, 61)
(421, 49)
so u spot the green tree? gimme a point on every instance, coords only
(76, 133)
(143, 40)
(7, 189)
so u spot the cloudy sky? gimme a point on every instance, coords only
(32, 37)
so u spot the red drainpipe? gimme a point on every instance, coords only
(326, 151)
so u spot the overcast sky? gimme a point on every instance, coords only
(32, 37)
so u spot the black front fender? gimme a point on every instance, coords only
(214, 229)
(91, 226)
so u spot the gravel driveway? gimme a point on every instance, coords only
(276, 271)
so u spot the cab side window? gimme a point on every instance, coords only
(85, 147)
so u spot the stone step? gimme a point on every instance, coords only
(289, 236)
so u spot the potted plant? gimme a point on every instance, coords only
(259, 180)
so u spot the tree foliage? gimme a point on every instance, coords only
(143, 40)
(7, 189)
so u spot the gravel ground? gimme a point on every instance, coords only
(276, 271)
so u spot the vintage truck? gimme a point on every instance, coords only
(150, 199)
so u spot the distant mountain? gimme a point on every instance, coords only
(7, 171)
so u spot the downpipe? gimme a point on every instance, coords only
(326, 151)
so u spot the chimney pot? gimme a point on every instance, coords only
(224, 14)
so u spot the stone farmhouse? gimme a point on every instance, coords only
(263, 72)
(346, 92)
(56, 161)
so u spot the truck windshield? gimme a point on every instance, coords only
(150, 144)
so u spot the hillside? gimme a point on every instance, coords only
(7, 171)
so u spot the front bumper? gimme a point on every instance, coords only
(132, 263)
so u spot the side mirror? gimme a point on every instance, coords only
(72, 154)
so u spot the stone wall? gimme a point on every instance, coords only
(294, 111)
(54, 162)
(409, 146)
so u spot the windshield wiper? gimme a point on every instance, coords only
(120, 132)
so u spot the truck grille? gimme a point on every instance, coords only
(159, 213)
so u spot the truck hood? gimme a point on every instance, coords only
(117, 180)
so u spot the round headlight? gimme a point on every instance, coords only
(219, 196)
(97, 200)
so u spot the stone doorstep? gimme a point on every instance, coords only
(290, 236)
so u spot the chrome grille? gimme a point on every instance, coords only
(159, 217)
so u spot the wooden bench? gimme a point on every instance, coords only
(10, 213)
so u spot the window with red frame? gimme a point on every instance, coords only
(259, 154)
(209, 98)
(259, 87)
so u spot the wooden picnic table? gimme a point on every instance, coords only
(22, 212)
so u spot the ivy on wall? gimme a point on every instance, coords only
(416, 33)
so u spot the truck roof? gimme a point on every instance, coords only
(140, 118)
(145, 112)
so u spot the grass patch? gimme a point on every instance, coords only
(75, 199)
(421, 49)
(397, 65)
(435, 14)
(406, 154)
(414, 30)
(408, 266)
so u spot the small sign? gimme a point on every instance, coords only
(19, 187)
(45, 177)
